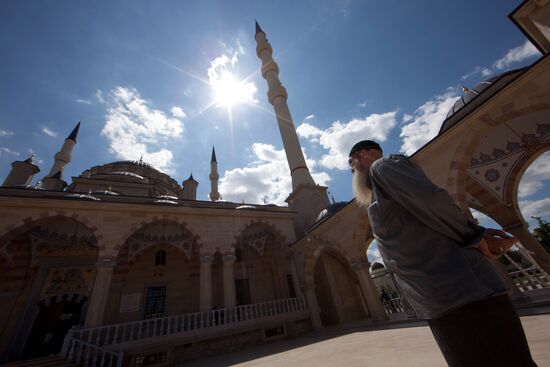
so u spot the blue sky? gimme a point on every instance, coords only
(139, 75)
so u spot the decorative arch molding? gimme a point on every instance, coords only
(163, 231)
(317, 247)
(41, 234)
(256, 234)
(468, 156)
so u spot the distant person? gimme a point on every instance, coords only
(440, 260)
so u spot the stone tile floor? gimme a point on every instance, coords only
(404, 344)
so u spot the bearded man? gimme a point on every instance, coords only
(440, 260)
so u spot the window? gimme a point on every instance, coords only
(155, 303)
(160, 257)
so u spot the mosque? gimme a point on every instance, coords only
(123, 266)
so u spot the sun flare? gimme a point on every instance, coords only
(228, 91)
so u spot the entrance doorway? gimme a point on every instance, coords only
(56, 316)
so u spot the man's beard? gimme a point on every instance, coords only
(363, 195)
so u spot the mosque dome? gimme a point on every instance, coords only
(331, 209)
(481, 89)
(377, 266)
(133, 172)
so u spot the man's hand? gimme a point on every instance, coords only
(495, 243)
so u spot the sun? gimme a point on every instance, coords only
(228, 91)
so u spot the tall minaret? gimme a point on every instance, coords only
(214, 177)
(307, 198)
(63, 157)
(277, 96)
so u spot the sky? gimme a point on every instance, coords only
(168, 80)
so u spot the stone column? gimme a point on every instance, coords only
(206, 282)
(376, 308)
(541, 256)
(314, 310)
(100, 291)
(229, 296)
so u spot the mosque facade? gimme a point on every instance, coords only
(124, 266)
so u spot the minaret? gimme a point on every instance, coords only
(277, 96)
(21, 173)
(63, 157)
(307, 198)
(214, 177)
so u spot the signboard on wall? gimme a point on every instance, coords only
(130, 302)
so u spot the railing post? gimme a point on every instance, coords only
(66, 341)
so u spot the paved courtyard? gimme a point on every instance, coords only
(410, 346)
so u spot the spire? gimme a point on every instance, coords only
(213, 156)
(30, 159)
(191, 178)
(258, 28)
(74, 133)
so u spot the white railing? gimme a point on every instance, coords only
(89, 344)
(89, 355)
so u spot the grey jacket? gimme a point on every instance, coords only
(426, 241)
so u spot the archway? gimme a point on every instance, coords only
(57, 315)
(336, 289)
(48, 259)
(262, 265)
(156, 274)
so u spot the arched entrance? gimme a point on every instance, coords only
(51, 259)
(156, 274)
(262, 265)
(57, 315)
(337, 290)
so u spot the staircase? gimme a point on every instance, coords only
(105, 346)
(51, 361)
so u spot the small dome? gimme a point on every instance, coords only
(246, 207)
(167, 197)
(83, 197)
(105, 192)
(471, 93)
(377, 266)
(331, 209)
(166, 202)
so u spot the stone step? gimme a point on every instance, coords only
(51, 361)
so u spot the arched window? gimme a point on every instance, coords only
(160, 257)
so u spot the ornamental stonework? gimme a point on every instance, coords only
(69, 280)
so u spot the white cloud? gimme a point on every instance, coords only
(85, 101)
(134, 129)
(362, 104)
(265, 180)
(538, 208)
(178, 112)
(309, 132)
(99, 96)
(516, 54)
(534, 177)
(483, 220)
(407, 117)
(309, 117)
(6, 133)
(340, 137)
(8, 151)
(49, 132)
(373, 254)
(427, 120)
(221, 77)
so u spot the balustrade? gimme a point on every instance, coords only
(87, 346)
